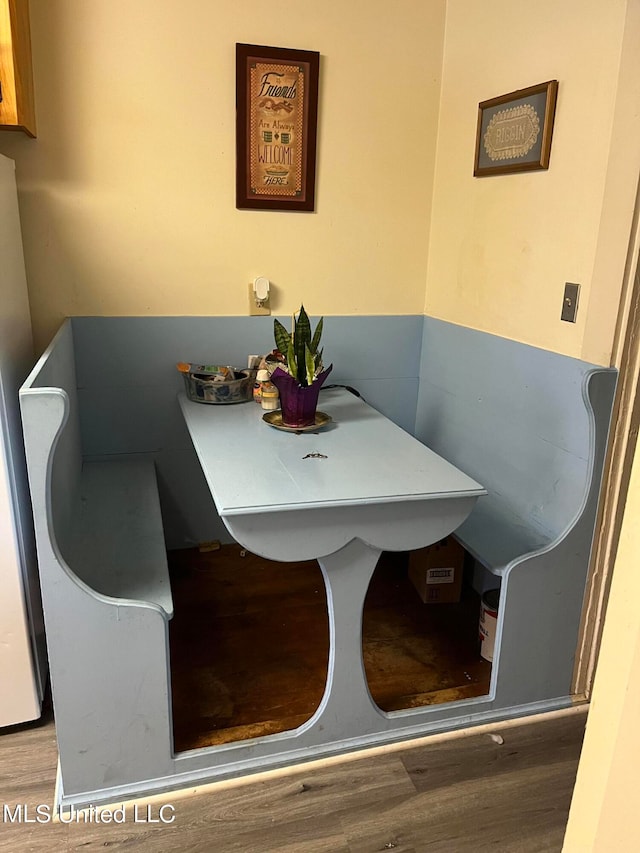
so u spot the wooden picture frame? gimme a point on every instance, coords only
(276, 127)
(514, 131)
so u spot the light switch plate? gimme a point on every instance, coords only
(570, 302)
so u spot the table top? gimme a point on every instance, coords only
(252, 467)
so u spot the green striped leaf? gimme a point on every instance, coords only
(291, 360)
(303, 328)
(309, 364)
(302, 340)
(282, 337)
(315, 343)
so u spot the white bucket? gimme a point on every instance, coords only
(488, 622)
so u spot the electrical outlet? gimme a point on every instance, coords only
(570, 302)
(254, 309)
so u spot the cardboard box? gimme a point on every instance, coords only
(436, 571)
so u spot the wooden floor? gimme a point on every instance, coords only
(472, 793)
(250, 644)
(239, 668)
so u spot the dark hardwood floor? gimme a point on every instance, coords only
(250, 644)
(469, 793)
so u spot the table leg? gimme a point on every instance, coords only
(347, 707)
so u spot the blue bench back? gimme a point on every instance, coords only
(56, 370)
(512, 416)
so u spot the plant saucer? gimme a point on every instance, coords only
(274, 419)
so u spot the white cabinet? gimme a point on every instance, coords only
(22, 651)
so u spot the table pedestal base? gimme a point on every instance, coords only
(347, 708)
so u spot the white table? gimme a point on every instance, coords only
(374, 488)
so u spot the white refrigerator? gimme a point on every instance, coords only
(23, 665)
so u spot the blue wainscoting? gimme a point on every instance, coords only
(128, 382)
(509, 415)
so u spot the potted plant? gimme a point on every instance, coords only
(300, 375)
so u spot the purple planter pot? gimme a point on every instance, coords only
(298, 403)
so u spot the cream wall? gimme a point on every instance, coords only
(128, 194)
(604, 810)
(501, 248)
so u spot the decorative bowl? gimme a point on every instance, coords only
(201, 388)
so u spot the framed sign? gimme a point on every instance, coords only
(514, 131)
(276, 126)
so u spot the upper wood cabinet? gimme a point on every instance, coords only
(17, 110)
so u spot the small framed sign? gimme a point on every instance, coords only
(276, 126)
(514, 131)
